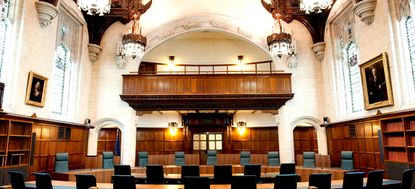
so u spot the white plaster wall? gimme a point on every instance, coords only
(381, 36)
(162, 16)
(34, 50)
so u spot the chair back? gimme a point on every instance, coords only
(253, 169)
(190, 170)
(17, 179)
(320, 180)
(273, 159)
(286, 181)
(309, 159)
(155, 174)
(353, 180)
(122, 170)
(407, 179)
(222, 174)
(195, 182)
(43, 181)
(245, 182)
(245, 157)
(61, 162)
(374, 179)
(347, 160)
(179, 158)
(123, 182)
(211, 157)
(287, 168)
(142, 159)
(84, 181)
(107, 160)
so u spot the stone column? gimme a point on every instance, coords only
(285, 139)
(128, 142)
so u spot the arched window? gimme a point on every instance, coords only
(353, 85)
(4, 26)
(61, 80)
(408, 24)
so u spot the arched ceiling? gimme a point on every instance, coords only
(121, 10)
(206, 47)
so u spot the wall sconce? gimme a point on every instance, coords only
(173, 128)
(241, 125)
(171, 63)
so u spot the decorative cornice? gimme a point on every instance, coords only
(365, 10)
(46, 12)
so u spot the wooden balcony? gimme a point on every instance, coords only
(207, 92)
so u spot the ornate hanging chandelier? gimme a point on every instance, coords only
(280, 42)
(315, 5)
(95, 6)
(134, 43)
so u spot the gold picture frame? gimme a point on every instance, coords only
(376, 83)
(36, 89)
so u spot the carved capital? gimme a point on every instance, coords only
(94, 51)
(365, 10)
(318, 49)
(46, 12)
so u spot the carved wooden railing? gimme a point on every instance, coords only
(232, 91)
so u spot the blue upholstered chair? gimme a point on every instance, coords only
(286, 181)
(309, 159)
(287, 168)
(61, 162)
(353, 180)
(17, 180)
(320, 180)
(85, 181)
(222, 174)
(211, 157)
(43, 180)
(142, 159)
(107, 160)
(407, 179)
(347, 160)
(253, 169)
(155, 174)
(179, 158)
(374, 179)
(190, 170)
(245, 157)
(122, 170)
(273, 159)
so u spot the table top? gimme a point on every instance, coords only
(300, 185)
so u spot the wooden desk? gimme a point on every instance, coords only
(104, 175)
(300, 185)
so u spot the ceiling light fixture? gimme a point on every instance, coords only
(280, 42)
(134, 43)
(95, 6)
(315, 5)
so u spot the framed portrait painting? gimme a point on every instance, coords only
(36, 89)
(377, 89)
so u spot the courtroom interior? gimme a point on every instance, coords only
(247, 94)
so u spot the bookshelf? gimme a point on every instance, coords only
(399, 139)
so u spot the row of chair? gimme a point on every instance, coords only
(352, 180)
(245, 158)
(179, 157)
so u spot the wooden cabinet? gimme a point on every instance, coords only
(15, 147)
